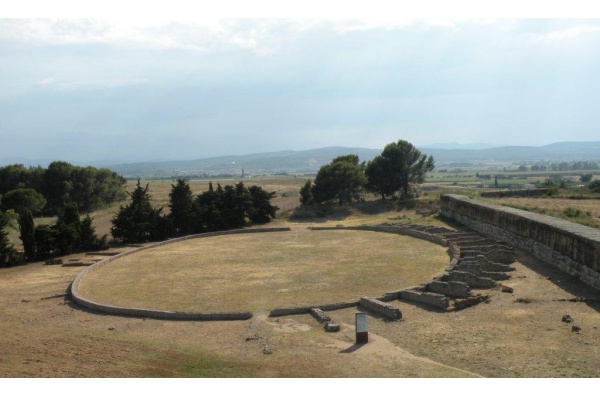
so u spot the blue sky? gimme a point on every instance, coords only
(90, 89)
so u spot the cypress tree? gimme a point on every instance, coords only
(27, 236)
(181, 204)
(306, 197)
(137, 221)
(262, 210)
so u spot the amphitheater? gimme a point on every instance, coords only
(476, 261)
(498, 292)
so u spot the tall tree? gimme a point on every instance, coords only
(235, 204)
(262, 210)
(181, 204)
(136, 222)
(208, 212)
(27, 230)
(68, 230)
(306, 196)
(342, 179)
(23, 199)
(399, 165)
(379, 181)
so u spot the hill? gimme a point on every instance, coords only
(309, 161)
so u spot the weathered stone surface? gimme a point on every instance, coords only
(429, 298)
(319, 315)
(380, 308)
(332, 327)
(460, 304)
(470, 279)
(571, 247)
(389, 296)
(475, 269)
(451, 288)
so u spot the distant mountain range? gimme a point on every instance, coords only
(455, 145)
(309, 161)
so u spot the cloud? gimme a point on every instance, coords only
(572, 32)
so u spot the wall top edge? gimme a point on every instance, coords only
(556, 223)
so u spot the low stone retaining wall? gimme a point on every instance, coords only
(162, 314)
(429, 298)
(281, 311)
(451, 288)
(380, 308)
(405, 231)
(571, 247)
(470, 253)
(470, 279)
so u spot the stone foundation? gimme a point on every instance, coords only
(573, 248)
(380, 308)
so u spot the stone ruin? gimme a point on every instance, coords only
(476, 262)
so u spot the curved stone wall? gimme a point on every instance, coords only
(162, 314)
(573, 248)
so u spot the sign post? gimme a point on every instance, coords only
(362, 330)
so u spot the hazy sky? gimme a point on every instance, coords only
(129, 89)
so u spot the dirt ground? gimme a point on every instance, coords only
(518, 334)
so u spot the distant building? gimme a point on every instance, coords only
(528, 186)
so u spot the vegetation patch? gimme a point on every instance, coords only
(568, 213)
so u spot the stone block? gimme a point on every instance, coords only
(452, 288)
(319, 315)
(428, 298)
(380, 308)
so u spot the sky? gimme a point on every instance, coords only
(133, 89)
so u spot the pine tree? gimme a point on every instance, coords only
(68, 230)
(136, 222)
(342, 179)
(208, 211)
(399, 165)
(88, 237)
(262, 210)
(181, 204)
(306, 197)
(235, 203)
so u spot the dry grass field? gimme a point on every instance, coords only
(584, 211)
(517, 334)
(256, 272)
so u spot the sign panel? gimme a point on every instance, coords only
(361, 322)
(362, 330)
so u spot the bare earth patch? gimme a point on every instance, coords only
(262, 271)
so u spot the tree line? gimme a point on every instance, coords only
(220, 208)
(62, 190)
(69, 234)
(60, 184)
(396, 169)
(561, 166)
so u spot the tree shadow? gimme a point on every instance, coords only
(320, 213)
